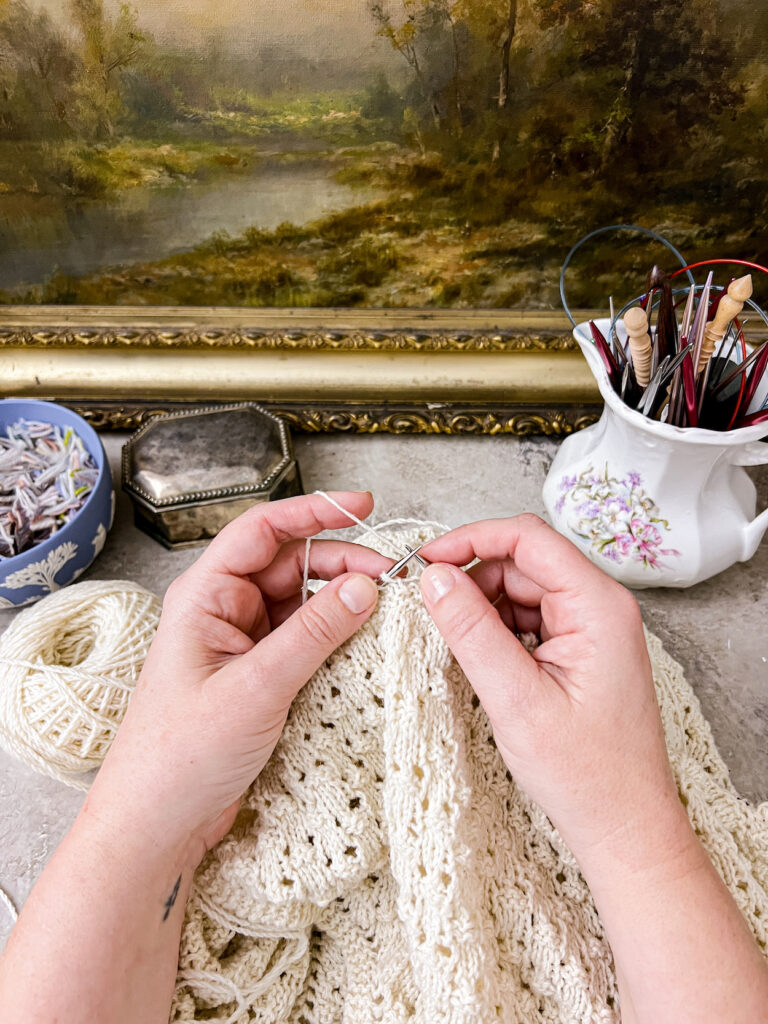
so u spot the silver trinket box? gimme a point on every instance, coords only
(190, 473)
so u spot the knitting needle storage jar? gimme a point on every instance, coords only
(655, 505)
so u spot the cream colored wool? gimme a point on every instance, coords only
(68, 666)
(385, 866)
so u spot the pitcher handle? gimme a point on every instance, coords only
(754, 453)
(753, 534)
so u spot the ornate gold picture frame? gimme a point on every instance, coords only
(356, 211)
(369, 371)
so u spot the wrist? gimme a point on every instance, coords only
(644, 847)
(129, 836)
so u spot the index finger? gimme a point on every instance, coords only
(249, 543)
(539, 552)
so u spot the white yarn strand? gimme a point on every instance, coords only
(376, 538)
(69, 665)
(370, 531)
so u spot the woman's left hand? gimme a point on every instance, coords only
(233, 648)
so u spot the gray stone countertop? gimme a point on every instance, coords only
(717, 630)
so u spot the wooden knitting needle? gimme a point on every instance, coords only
(730, 305)
(666, 320)
(636, 323)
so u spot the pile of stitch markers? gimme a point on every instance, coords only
(45, 479)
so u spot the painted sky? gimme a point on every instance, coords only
(318, 27)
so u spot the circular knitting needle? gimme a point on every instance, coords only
(387, 577)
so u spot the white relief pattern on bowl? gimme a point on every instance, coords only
(42, 573)
(99, 540)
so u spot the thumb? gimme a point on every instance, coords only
(290, 654)
(501, 671)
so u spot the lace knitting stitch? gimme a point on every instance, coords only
(385, 867)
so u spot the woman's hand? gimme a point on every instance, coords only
(578, 725)
(233, 648)
(577, 721)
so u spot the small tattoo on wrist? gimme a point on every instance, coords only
(172, 898)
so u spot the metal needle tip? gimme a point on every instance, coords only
(387, 577)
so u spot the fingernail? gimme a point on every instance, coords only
(437, 581)
(358, 593)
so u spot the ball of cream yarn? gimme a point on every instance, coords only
(68, 666)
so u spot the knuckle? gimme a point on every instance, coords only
(321, 629)
(176, 590)
(530, 519)
(464, 625)
(253, 514)
(630, 607)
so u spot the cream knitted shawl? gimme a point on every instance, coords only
(385, 867)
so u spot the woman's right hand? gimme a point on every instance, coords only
(578, 725)
(576, 721)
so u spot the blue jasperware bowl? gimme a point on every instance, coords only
(60, 559)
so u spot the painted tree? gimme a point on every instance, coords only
(37, 69)
(109, 46)
(460, 52)
(413, 29)
(649, 74)
(492, 26)
(449, 13)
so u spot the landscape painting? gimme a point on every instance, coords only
(373, 153)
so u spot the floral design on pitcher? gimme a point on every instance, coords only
(616, 516)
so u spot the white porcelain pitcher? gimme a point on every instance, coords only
(655, 505)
